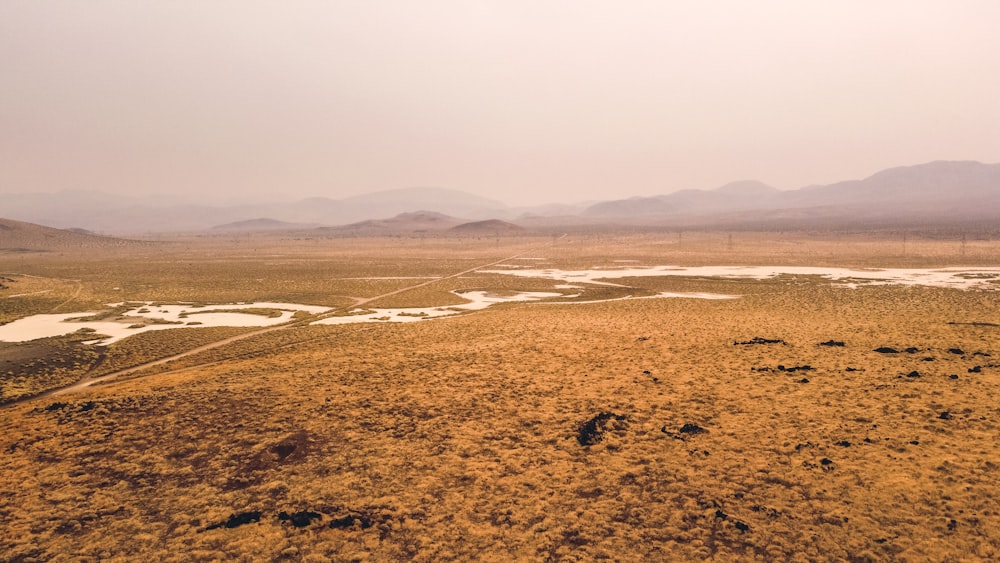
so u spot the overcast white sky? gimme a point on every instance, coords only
(526, 101)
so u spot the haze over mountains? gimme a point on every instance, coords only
(942, 191)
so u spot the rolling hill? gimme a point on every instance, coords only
(19, 236)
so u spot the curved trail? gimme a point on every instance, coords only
(82, 385)
(79, 288)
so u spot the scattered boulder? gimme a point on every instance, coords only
(945, 416)
(236, 520)
(795, 368)
(759, 340)
(913, 373)
(886, 350)
(300, 519)
(832, 343)
(690, 428)
(956, 351)
(592, 431)
(348, 521)
(976, 369)
(912, 350)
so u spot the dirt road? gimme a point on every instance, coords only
(86, 383)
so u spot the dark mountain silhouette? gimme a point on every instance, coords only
(943, 191)
(99, 212)
(415, 222)
(262, 224)
(736, 195)
(487, 227)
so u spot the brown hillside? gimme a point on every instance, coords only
(18, 236)
(489, 226)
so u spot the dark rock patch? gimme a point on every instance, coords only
(741, 526)
(913, 373)
(592, 431)
(912, 350)
(300, 519)
(957, 351)
(690, 428)
(850, 369)
(365, 521)
(770, 512)
(886, 350)
(945, 416)
(283, 450)
(804, 380)
(794, 369)
(953, 376)
(56, 406)
(235, 521)
(759, 340)
(832, 343)
(293, 448)
(843, 444)
(976, 369)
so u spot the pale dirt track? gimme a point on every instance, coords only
(81, 385)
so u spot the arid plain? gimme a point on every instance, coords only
(591, 425)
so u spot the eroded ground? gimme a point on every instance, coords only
(766, 427)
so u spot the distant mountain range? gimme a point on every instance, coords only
(942, 191)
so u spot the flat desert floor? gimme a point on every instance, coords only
(765, 427)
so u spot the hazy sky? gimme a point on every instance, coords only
(524, 101)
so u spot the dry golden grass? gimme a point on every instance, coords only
(459, 438)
